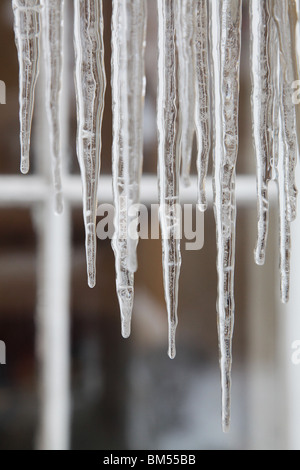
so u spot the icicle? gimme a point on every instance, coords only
(27, 15)
(168, 157)
(186, 84)
(286, 94)
(284, 222)
(294, 12)
(202, 112)
(273, 112)
(90, 89)
(262, 116)
(226, 43)
(52, 15)
(136, 42)
(120, 163)
(288, 141)
(128, 90)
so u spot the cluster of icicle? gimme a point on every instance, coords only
(199, 43)
(275, 119)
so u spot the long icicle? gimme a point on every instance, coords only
(284, 222)
(226, 44)
(288, 141)
(90, 83)
(136, 42)
(202, 111)
(168, 162)
(27, 16)
(128, 38)
(260, 100)
(186, 84)
(286, 95)
(52, 15)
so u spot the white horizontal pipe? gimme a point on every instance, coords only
(27, 190)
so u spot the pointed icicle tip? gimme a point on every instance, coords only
(24, 167)
(226, 398)
(259, 256)
(202, 207)
(59, 205)
(91, 251)
(126, 329)
(172, 343)
(91, 282)
(172, 352)
(284, 291)
(125, 297)
(226, 425)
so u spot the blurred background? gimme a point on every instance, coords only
(127, 394)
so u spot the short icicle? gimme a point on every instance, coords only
(262, 99)
(52, 15)
(90, 84)
(27, 23)
(168, 162)
(225, 55)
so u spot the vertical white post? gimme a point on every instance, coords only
(53, 327)
(292, 333)
(54, 254)
(293, 323)
(266, 390)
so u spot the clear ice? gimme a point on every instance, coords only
(225, 55)
(90, 81)
(274, 69)
(185, 55)
(136, 42)
(294, 12)
(186, 84)
(288, 141)
(52, 16)
(27, 23)
(168, 161)
(128, 91)
(202, 95)
(262, 116)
